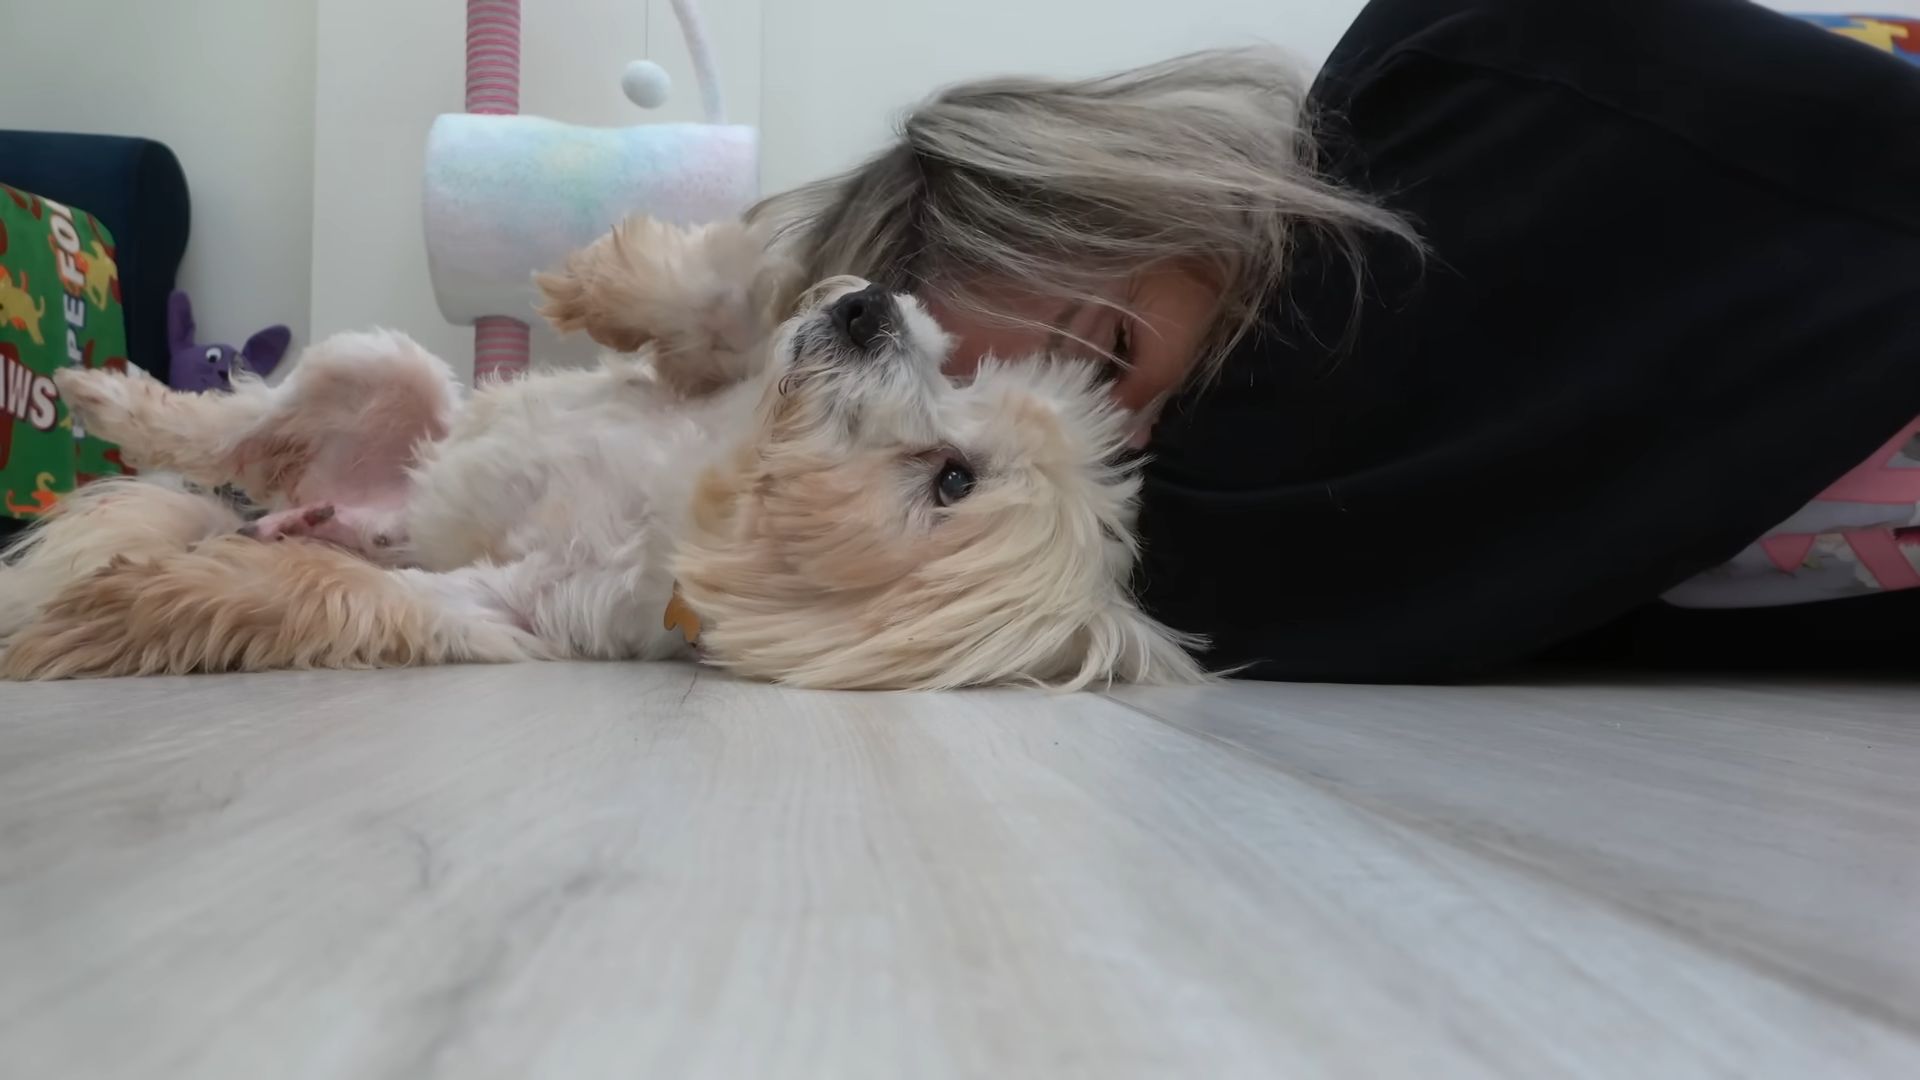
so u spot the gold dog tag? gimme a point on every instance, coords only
(682, 618)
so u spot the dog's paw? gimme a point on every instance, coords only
(309, 521)
(597, 287)
(369, 533)
(99, 396)
(697, 290)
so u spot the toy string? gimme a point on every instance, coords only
(704, 71)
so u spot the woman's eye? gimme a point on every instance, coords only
(952, 483)
(1120, 356)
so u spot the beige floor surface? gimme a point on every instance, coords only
(589, 871)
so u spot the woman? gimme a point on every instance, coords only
(1528, 315)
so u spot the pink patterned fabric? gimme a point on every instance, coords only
(1878, 479)
(1859, 536)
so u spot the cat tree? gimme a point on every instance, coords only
(507, 195)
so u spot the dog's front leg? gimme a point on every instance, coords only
(701, 298)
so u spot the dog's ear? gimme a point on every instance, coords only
(1123, 644)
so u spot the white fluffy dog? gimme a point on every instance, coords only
(813, 499)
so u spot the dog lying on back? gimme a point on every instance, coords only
(812, 498)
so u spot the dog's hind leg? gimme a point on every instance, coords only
(233, 604)
(159, 428)
(138, 518)
(350, 421)
(354, 419)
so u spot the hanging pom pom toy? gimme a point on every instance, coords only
(646, 84)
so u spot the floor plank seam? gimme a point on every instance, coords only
(1864, 1007)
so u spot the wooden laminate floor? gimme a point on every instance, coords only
(589, 871)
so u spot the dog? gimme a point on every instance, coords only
(813, 493)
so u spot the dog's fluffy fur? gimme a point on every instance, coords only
(784, 476)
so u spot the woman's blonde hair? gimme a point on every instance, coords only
(1061, 187)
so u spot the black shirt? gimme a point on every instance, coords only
(1672, 292)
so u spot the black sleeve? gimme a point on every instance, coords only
(1671, 294)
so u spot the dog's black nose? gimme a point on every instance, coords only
(865, 317)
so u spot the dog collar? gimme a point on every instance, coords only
(681, 617)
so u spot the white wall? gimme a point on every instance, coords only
(386, 69)
(822, 78)
(837, 72)
(302, 127)
(228, 84)
(301, 123)
(383, 71)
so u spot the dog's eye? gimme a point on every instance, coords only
(952, 483)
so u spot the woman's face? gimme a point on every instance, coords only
(1157, 345)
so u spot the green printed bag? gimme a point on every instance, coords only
(59, 305)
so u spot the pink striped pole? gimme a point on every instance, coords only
(502, 345)
(500, 348)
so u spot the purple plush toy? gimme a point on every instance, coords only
(211, 367)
